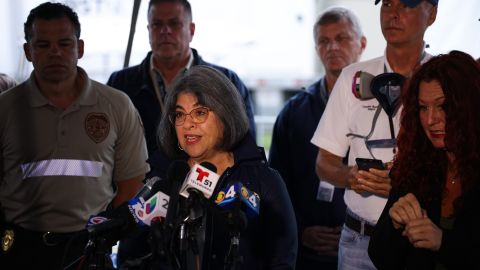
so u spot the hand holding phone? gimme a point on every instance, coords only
(367, 183)
(365, 164)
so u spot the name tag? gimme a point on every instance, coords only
(325, 191)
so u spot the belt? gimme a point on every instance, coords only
(48, 238)
(45, 250)
(53, 239)
(360, 226)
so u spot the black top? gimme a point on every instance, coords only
(269, 240)
(460, 248)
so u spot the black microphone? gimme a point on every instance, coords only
(151, 187)
(202, 178)
(239, 202)
(161, 231)
(194, 185)
(176, 173)
(209, 166)
(238, 195)
(199, 183)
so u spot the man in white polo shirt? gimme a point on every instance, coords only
(362, 127)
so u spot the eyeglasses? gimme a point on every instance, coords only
(198, 115)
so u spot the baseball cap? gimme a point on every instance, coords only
(413, 3)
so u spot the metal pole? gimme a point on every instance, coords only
(136, 8)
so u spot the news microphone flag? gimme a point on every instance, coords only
(142, 213)
(250, 201)
(153, 209)
(121, 218)
(125, 215)
(201, 179)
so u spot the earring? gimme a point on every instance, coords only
(179, 147)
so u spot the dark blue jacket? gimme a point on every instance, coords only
(293, 155)
(135, 81)
(270, 240)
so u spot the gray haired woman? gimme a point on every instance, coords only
(205, 121)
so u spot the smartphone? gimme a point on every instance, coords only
(366, 163)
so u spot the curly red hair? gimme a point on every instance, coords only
(419, 167)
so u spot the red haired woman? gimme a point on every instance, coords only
(431, 218)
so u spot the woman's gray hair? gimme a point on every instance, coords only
(215, 91)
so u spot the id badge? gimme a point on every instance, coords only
(325, 191)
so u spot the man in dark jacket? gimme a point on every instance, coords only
(170, 30)
(319, 207)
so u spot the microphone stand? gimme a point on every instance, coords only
(182, 245)
(233, 260)
(237, 222)
(193, 244)
(94, 256)
(191, 217)
(96, 252)
(160, 240)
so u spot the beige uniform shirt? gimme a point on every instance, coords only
(58, 166)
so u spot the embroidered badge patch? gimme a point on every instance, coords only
(97, 126)
(7, 240)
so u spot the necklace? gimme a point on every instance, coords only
(452, 177)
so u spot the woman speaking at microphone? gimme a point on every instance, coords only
(204, 120)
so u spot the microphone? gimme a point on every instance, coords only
(240, 203)
(157, 206)
(160, 236)
(176, 173)
(239, 195)
(115, 222)
(123, 219)
(148, 189)
(201, 178)
(154, 209)
(199, 184)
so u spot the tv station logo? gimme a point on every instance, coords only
(202, 179)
